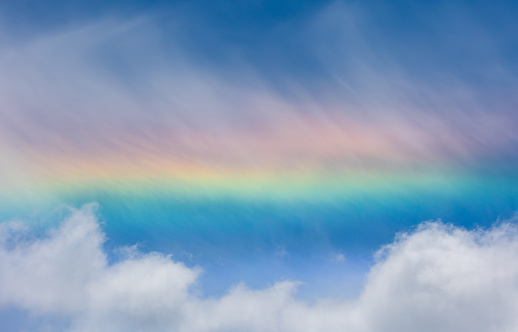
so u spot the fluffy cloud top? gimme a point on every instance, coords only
(438, 278)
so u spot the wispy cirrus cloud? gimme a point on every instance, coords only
(92, 97)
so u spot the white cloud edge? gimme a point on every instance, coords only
(437, 278)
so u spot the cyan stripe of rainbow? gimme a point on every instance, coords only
(336, 201)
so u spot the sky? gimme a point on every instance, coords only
(258, 165)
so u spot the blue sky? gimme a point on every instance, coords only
(241, 163)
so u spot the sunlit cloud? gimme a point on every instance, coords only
(438, 277)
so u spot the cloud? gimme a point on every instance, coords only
(437, 278)
(122, 96)
(338, 258)
(443, 278)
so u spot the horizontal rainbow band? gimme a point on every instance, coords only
(265, 186)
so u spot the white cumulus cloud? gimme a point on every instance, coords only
(437, 278)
